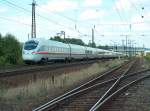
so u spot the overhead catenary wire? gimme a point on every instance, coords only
(73, 20)
(45, 18)
(55, 22)
(114, 2)
(123, 11)
(18, 22)
(66, 17)
(14, 21)
(59, 14)
(62, 15)
(135, 7)
(75, 28)
(117, 11)
(139, 10)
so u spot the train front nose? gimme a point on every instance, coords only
(28, 49)
(28, 56)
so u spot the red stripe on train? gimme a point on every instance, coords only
(40, 52)
(54, 53)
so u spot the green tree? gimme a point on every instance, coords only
(1, 46)
(91, 44)
(106, 47)
(57, 38)
(12, 49)
(74, 41)
(69, 40)
(2, 58)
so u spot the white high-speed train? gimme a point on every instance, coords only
(41, 50)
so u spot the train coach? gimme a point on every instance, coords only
(41, 50)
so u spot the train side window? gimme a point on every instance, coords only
(45, 48)
(52, 49)
(64, 50)
(88, 52)
(49, 49)
(55, 49)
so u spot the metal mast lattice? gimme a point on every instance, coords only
(33, 29)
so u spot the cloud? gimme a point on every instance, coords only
(3, 9)
(92, 2)
(122, 4)
(140, 24)
(147, 16)
(137, 19)
(91, 14)
(126, 5)
(140, 27)
(58, 6)
(26, 20)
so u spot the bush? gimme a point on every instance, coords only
(147, 57)
(10, 50)
(2, 61)
(1, 46)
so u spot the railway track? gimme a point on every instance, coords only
(119, 86)
(36, 68)
(83, 97)
(121, 89)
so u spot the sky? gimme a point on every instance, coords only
(112, 20)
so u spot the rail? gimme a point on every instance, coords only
(78, 90)
(28, 70)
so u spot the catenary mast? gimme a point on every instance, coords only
(33, 28)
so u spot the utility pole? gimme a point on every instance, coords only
(126, 45)
(33, 29)
(63, 33)
(129, 46)
(143, 48)
(92, 37)
(123, 47)
(135, 49)
(28, 36)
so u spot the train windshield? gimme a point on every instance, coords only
(30, 45)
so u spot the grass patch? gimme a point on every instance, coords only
(26, 96)
(147, 58)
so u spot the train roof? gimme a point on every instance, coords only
(61, 44)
